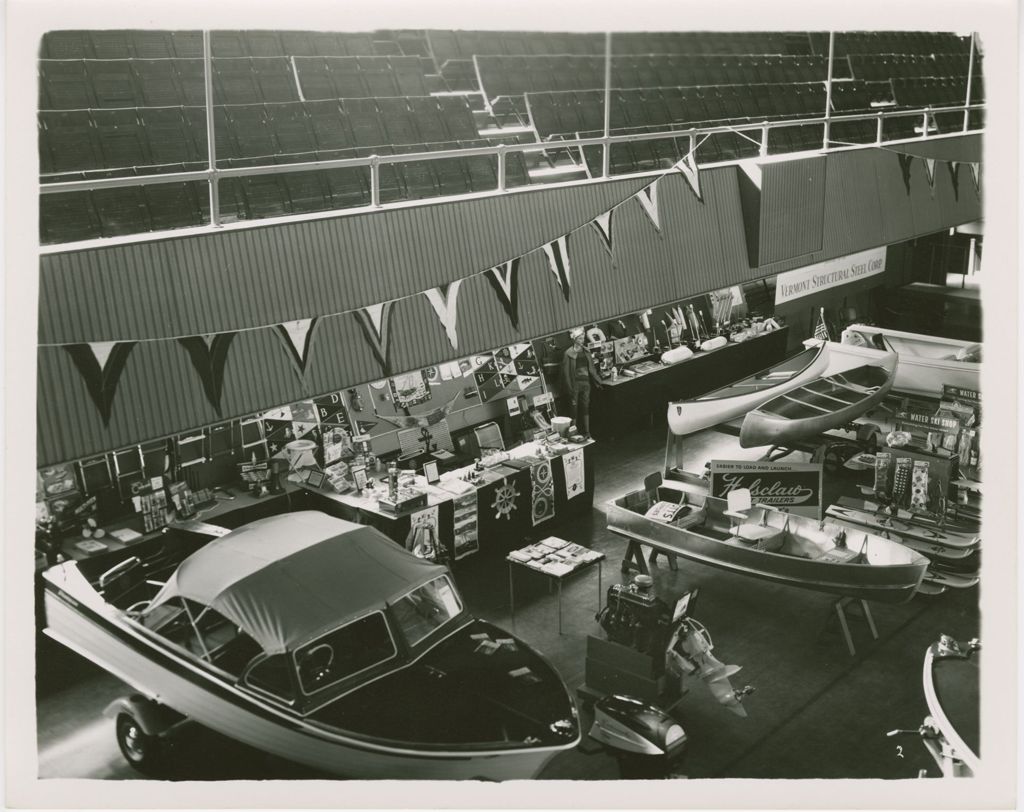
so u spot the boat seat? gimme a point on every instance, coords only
(767, 539)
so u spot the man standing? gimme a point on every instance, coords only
(578, 371)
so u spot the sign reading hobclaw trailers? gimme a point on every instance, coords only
(790, 486)
(832, 273)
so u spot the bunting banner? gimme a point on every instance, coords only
(209, 355)
(648, 197)
(543, 492)
(100, 363)
(954, 177)
(504, 279)
(905, 162)
(376, 323)
(929, 166)
(444, 300)
(298, 335)
(603, 226)
(976, 174)
(558, 258)
(688, 169)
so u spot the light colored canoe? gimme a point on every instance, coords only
(926, 362)
(688, 416)
(857, 378)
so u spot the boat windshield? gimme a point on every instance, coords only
(426, 608)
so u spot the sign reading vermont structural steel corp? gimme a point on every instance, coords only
(791, 486)
(832, 273)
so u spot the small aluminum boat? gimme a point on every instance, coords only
(856, 379)
(772, 545)
(318, 640)
(926, 362)
(688, 416)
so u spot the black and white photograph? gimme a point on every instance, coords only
(499, 398)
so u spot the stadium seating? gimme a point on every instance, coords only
(133, 102)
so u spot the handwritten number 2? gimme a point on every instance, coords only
(899, 751)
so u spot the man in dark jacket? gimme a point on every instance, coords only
(578, 371)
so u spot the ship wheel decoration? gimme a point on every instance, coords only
(505, 500)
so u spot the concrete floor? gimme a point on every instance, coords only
(816, 711)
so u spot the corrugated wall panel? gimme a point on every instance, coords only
(288, 271)
(228, 280)
(792, 209)
(895, 205)
(851, 200)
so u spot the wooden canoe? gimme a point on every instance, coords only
(844, 393)
(926, 362)
(688, 416)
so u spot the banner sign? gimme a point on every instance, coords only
(791, 486)
(829, 274)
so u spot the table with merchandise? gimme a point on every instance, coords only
(558, 559)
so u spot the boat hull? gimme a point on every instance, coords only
(763, 427)
(101, 635)
(688, 416)
(886, 584)
(926, 362)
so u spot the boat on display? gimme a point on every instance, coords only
(856, 379)
(315, 639)
(926, 362)
(688, 416)
(769, 544)
(951, 733)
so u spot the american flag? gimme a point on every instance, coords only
(821, 330)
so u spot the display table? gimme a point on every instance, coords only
(227, 512)
(630, 400)
(558, 559)
(495, 513)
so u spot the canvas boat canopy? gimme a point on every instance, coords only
(287, 579)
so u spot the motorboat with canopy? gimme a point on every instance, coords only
(318, 640)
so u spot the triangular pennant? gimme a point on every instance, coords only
(688, 169)
(976, 174)
(444, 300)
(505, 281)
(376, 323)
(929, 165)
(298, 335)
(648, 197)
(954, 177)
(209, 354)
(905, 161)
(101, 363)
(558, 258)
(603, 227)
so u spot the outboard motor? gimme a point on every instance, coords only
(646, 740)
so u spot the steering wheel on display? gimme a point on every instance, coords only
(317, 662)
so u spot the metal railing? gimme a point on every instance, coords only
(213, 173)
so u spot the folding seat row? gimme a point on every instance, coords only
(363, 77)
(89, 84)
(83, 215)
(71, 216)
(121, 44)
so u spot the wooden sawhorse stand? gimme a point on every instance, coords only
(839, 607)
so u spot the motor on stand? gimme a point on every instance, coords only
(647, 742)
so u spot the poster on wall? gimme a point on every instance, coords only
(829, 274)
(792, 486)
(410, 389)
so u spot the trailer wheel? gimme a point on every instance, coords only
(143, 751)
